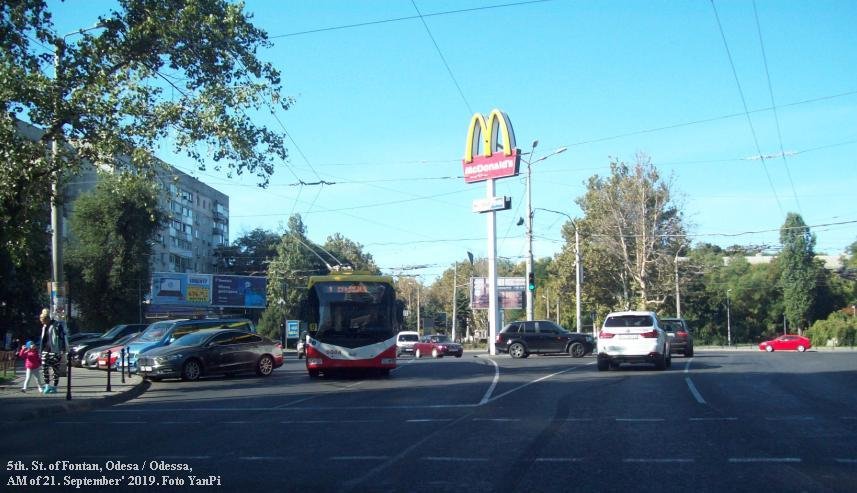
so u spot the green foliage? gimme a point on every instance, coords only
(838, 329)
(248, 254)
(108, 263)
(798, 270)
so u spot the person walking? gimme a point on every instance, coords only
(32, 363)
(52, 342)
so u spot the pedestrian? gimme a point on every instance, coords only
(32, 362)
(53, 343)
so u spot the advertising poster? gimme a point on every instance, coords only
(169, 288)
(199, 289)
(510, 292)
(239, 291)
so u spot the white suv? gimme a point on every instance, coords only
(633, 337)
(405, 342)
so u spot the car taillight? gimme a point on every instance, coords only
(681, 333)
(499, 338)
(650, 335)
(605, 335)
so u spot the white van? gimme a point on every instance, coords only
(405, 342)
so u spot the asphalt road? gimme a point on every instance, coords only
(721, 421)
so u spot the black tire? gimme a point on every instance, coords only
(457, 355)
(385, 372)
(603, 364)
(669, 358)
(265, 366)
(576, 350)
(313, 373)
(688, 353)
(191, 370)
(661, 363)
(517, 350)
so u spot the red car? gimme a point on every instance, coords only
(788, 342)
(437, 346)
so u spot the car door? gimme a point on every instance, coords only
(245, 351)
(217, 355)
(788, 343)
(556, 338)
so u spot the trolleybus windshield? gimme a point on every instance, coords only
(354, 313)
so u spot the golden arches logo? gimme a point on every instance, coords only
(493, 135)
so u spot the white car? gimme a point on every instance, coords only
(405, 342)
(633, 337)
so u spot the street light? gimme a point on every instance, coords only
(728, 321)
(530, 163)
(578, 278)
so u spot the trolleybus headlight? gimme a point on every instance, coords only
(313, 361)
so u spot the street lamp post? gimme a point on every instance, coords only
(578, 277)
(530, 163)
(728, 321)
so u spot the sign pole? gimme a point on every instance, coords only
(492, 273)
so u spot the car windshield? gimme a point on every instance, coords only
(409, 337)
(192, 339)
(155, 332)
(112, 333)
(672, 324)
(441, 339)
(629, 321)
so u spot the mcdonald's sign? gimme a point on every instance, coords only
(499, 158)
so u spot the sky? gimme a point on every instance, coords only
(384, 92)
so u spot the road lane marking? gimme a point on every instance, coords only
(519, 387)
(632, 460)
(687, 365)
(456, 459)
(696, 394)
(789, 418)
(846, 461)
(361, 457)
(749, 460)
(493, 385)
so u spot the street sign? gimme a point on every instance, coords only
(489, 204)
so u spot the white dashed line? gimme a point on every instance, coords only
(692, 387)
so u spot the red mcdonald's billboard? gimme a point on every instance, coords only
(493, 136)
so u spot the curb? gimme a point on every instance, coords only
(86, 404)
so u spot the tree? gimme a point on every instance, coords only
(108, 263)
(186, 69)
(798, 270)
(248, 254)
(634, 225)
(347, 251)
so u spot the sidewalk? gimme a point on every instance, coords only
(88, 391)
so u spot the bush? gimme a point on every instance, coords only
(837, 330)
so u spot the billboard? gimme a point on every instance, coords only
(510, 292)
(186, 290)
(239, 291)
(497, 132)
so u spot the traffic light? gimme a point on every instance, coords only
(531, 282)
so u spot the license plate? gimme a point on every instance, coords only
(145, 368)
(626, 336)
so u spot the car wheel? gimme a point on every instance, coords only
(517, 350)
(265, 366)
(669, 358)
(191, 370)
(801, 349)
(458, 355)
(661, 362)
(688, 353)
(312, 373)
(603, 364)
(417, 353)
(435, 354)
(769, 349)
(385, 372)
(576, 350)
(300, 356)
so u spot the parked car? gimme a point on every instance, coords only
(633, 337)
(520, 339)
(788, 342)
(438, 346)
(73, 338)
(81, 346)
(680, 334)
(115, 357)
(90, 357)
(164, 333)
(405, 341)
(212, 351)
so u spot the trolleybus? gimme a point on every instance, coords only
(353, 321)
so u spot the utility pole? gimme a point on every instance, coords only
(56, 205)
(454, 296)
(530, 298)
(677, 295)
(728, 321)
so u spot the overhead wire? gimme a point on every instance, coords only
(774, 106)
(746, 109)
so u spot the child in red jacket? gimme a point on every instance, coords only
(32, 362)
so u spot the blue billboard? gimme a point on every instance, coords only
(181, 289)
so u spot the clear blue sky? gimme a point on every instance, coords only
(382, 109)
